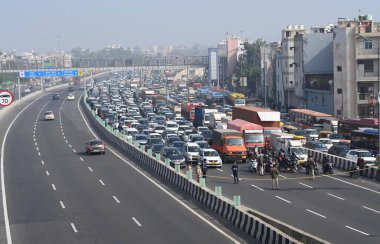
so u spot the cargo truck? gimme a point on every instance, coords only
(268, 119)
(284, 142)
(253, 133)
(215, 119)
(202, 116)
(236, 99)
(230, 145)
(188, 110)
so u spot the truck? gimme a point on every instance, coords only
(188, 110)
(147, 94)
(236, 99)
(230, 145)
(202, 116)
(215, 119)
(284, 142)
(157, 100)
(268, 119)
(253, 133)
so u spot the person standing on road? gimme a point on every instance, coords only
(311, 165)
(235, 172)
(260, 163)
(204, 168)
(199, 172)
(274, 174)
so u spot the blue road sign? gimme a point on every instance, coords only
(48, 73)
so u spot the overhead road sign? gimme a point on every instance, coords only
(49, 73)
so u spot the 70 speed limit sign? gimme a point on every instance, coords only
(6, 98)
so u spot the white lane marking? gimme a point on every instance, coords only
(34, 139)
(64, 137)
(136, 221)
(39, 154)
(47, 172)
(361, 232)
(283, 199)
(35, 143)
(258, 188)
(362, 187)
(34, 136)
(3, 193)
(61, 126)
(373, 210)
(305, 185)
(73, 226)
(117, 200)
(282, 176)
(90, 169)
(62, 205)
(43, 163)
(54, 188)
(101, 182)
(74, 150)
(37, 149)
(335, 196)
(81, 159)
(320, 215)
(160, 187)
(66, 141)
(63, 134)
(70, 146)
(220, 170)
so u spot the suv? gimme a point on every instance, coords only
(355, 154)
(192, 152)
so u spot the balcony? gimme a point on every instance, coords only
(362, 53)
(361, 75)
(366, 98)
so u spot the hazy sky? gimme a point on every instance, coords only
(40, 24)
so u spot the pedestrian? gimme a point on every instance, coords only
(199, 172)
(204, 168)
(311, 165)
(120, 127)
(235, 172)
(274, 175)
(260, 163)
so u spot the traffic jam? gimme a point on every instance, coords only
(210, 127)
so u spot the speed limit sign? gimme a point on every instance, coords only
(6, 98)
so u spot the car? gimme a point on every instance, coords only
(174, 155)
(56, 96)
(130, 132)
(211, 157)
(95, 146)
(170, 139)
(207, 135)
(71, 96)
(201, 128)
(152, 141)
(170, 125)
(316, 145)
(354, 155)
(336, 138)
(156, 148)
(328, 143)
(339, 150)
(196, 137)
(49, 115)
(140, 138)
(180, 145)
(203, 144)
(71, 88)
(192, 152)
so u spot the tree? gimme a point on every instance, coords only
(249, 63)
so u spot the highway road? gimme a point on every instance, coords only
(57, 194)
(335, 208)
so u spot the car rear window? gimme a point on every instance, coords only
(93, 143)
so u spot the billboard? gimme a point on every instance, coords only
(213, 66)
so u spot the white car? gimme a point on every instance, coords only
(49, 115)
(211, 156)
(192, 152)
(354, 154)
(71, 96)
(170, 125)
(328, 143)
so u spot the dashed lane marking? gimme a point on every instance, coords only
(62, 205)
(90, 169)
(305, 185)
(42, 162)
(320, 215)
(70, 146)
(54, 188)
(361, 232)
(220, 170)
(373, 210)
(136, 221)
(115, 198)
(282, 176)
(81, 159)
(283, 199)
(74, 150)
(257, 187)
(335, 196)
(47, 173)
(74, 228)
(39, 154)
(101, 182)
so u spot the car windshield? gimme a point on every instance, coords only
(235, 142)
(319, 145)
(173, 153)
(300, 133)
(155, 140)
(364, 154)
(336, 136)
(210, 154)
(142, 137)
(157, 148)
(254, 138)
(179, 144)
(299, 151)
(159, 127)
(171, 125)
(193, 149)
(96, 143)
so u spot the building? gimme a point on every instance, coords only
(234, 49)
(267, 87)
(285, 85)
(356, 67)
(313, 70)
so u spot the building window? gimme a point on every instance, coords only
(288, 34)
(291, 82)
(338, 112)
(286, 80)
(323, 100)
(367, 44)
(339, 90)
(368, 66)
(339, 68)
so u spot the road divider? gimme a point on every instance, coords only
(246, 219)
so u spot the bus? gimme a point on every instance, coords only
(365, 139)
(345, 126)
(308, 118)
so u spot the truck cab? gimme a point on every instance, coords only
(230, 145)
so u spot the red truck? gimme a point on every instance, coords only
(188, 110)
(229, 144)
(253, 133)
(267, 118)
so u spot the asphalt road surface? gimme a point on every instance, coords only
(58, 194)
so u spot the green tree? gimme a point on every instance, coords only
(249, 63)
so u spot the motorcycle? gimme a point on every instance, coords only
(252, 166)
(354, 172)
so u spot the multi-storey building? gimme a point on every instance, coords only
(356, 67)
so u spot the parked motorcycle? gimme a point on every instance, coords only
(328, 168)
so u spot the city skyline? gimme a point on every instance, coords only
(50, 25)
